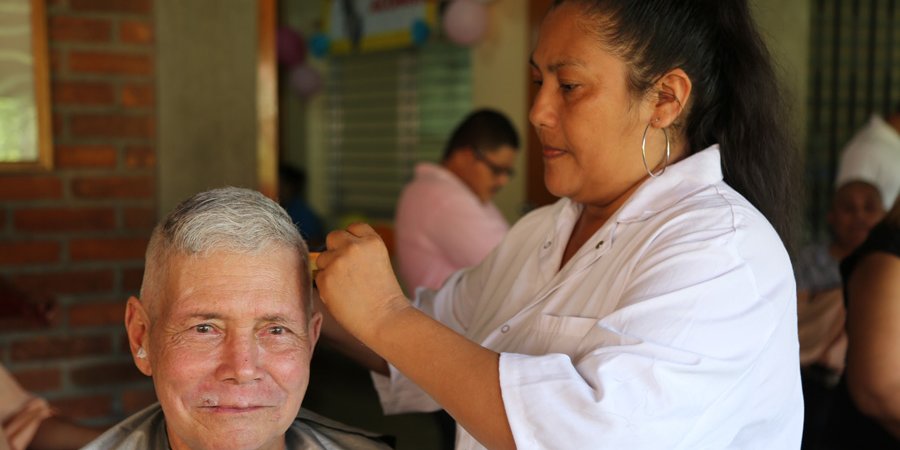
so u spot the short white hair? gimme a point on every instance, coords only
(232, 219)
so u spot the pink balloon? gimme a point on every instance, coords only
(291, 47)
(305, 80)
(465, 21)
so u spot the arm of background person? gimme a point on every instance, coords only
(56, 433)
(873, 326)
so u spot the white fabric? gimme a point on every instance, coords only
(441, 226)
(873, 155)
(673, 327)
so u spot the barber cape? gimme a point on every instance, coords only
(146, 430)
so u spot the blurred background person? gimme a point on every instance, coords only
(867, 411)
(292, 197)
(445, 218)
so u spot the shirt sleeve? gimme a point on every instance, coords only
(672, 363)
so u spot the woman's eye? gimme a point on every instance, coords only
(537, 82)
(203, 328)
(567, 87)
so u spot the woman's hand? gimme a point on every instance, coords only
(356, 281)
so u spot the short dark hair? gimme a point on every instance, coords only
(484, 130)
(736, 100)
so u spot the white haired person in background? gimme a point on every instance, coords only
(226, 329)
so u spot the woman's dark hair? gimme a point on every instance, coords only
(484, 130)
(736, 100)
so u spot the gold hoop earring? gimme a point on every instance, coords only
(644, 152)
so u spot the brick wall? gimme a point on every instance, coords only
(79, 231)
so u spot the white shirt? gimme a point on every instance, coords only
(442, 226)
(873, 155)
(673, 327)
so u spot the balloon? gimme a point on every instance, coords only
(420, 32)
(465, 21)
(291, 47)
(305, 80)
(320, 44)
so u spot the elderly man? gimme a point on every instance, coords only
(226, 329)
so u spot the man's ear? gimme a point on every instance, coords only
(673, 92)
(137, 324)
(314, 330)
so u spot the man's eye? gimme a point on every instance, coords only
(203, 328)
(276, 330)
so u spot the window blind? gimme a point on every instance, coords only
(385, 112)
(855, 72)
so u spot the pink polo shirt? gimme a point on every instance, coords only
(441, 226)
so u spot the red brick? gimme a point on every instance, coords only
(44, 347)
(2, 218)
(140, 218)
(85, 156)
(56, 61)
(98, 313)
(58, 124)
(112, 125)
(135, 32)
(140, 158)
(114, 187)
(83, 93)
(30, 187)
(137, 95)
(84, 407)
(132, 279)
(134, 400)
(68, 282)
(120, 63)
(75, 29)
(64, 219)
(106, 373)
(39, 379)
(114, 249)
(29, 252)
(119, 6)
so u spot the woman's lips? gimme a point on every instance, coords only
(552, 152)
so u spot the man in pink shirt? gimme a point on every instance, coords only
(445, 218)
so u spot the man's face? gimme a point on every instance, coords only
(489, 170)
(229, 347)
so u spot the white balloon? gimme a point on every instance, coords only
(305, 80)
(465, 21)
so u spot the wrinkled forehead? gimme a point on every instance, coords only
(272, 281)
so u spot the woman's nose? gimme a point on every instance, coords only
(542, 112)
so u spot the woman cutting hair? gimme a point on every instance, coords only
(653, 305)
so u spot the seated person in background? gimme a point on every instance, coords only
(873, 154)
(225, 327)
(867, 410)
(292, 197)
(445, 218)
(856, 207)
(27, 421)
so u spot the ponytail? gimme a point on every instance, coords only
(736, 100)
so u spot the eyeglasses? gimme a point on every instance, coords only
(496, 170)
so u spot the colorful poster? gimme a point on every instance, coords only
(367, 25)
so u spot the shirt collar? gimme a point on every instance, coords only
(680, 180)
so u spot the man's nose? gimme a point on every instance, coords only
(240, 360)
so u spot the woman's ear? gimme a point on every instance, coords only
(673, 92)
(137, 323)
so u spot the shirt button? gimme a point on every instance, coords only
(599, 244)
(547, 244)
(504, 328)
